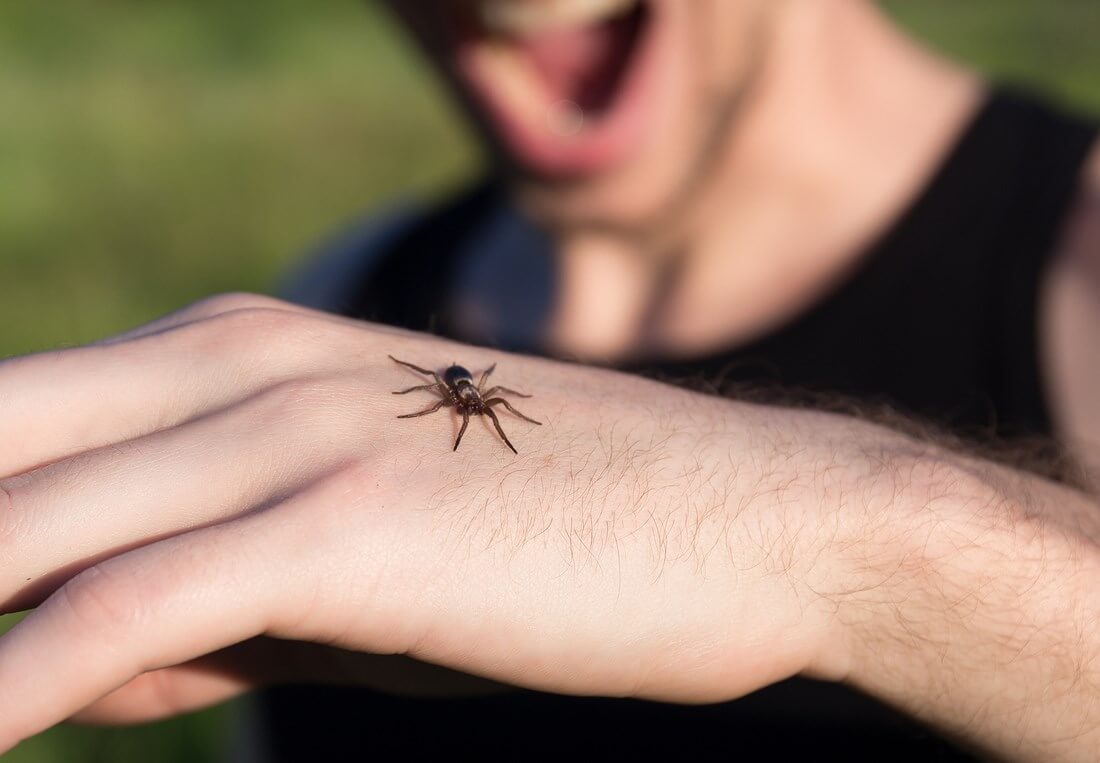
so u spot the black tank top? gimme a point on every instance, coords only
(937, 321)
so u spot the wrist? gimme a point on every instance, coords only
(976, 606)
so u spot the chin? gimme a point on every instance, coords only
(594, 108)
(604, 113)
(568, 89)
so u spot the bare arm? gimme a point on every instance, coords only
(979, 610)
(1070, 325)
(986, 620)
(237, 471)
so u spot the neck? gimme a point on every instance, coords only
(843, 123)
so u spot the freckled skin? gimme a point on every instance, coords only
(457, 390)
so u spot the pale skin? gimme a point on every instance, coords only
(235, 472)
(224, 499)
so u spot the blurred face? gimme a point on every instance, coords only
(608, 114)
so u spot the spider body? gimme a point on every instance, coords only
(457, 390)
(456, 375)
(460, 383)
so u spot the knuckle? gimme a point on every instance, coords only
(253, 344)
(229, 302)
(257, 333)
(254, 320)
(272, 327)
(100, 599)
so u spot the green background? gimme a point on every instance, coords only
(155, 152)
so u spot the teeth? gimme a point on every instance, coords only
(526, 17)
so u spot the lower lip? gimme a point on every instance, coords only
(561, 142)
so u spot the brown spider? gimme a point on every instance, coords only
(457, 389)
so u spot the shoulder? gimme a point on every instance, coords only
(1070, 322)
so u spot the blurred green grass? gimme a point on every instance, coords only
(152, 153)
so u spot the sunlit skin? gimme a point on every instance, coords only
(698, 100)
(223, 499)
(692, 227)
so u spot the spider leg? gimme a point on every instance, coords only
(433, 409)
(433, 385)
(485, 377)
(506, 404)
(418, 369)
(496, 390)
(462, 431)
(496, 423)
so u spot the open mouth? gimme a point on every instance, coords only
(566, 85)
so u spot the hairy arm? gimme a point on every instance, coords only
(982, 613)
(979, 608)
(236, 471)
(958, 590)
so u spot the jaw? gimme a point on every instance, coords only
(597, 110)
(565, 95)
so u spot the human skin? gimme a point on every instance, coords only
(785, 137)
(185, 501)
(236, 474)
(773, 154)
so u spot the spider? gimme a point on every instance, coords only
(457, 389)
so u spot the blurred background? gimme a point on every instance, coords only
(152, 153)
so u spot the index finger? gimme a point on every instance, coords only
(59, 403)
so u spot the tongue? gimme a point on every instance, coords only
(583, 64)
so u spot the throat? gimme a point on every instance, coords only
(607, 292)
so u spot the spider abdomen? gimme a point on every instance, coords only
(455, 375)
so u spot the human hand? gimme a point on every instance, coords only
(225, 498)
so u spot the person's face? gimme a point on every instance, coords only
(607, 113)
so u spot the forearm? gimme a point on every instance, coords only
(977, 605)
(962, 592)
(959, 591)
(645, 541)
(966, 594)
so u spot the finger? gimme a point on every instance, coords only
(68, 515)
(158, 606)
(208, 680)
(211, 679)
(167, 692)
(202, 310)
(222, 304)
(262, 662)
(57, 404)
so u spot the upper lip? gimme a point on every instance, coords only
(524, 17)
(521, 85)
